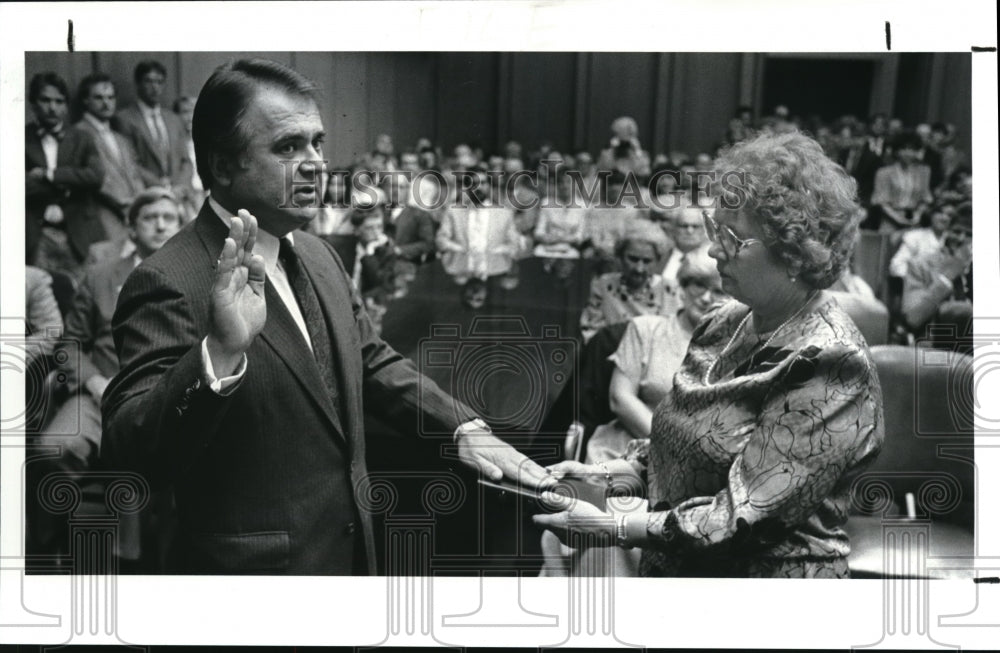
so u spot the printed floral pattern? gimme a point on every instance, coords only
(750, 475)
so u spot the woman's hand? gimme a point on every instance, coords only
(580, 524)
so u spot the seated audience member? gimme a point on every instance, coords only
(918, 243)
(334, 219)
(477, 239)
(952, 158)
(624, 153)
(902, 190)
(561, 220)
(44, 321)
(373, 271)
(958, 189)
(616, 297)
(607, 222)
(153, 218)
(123, 178)
(410, 226)
(937, 290)
(191, 182)
(687, 227)
(650, 353)
(63, 173)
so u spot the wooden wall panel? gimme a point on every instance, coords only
(620, 85)
(542, 103)
(413, 98)
(710, 96)
(343, 77)
(194, 68)
(467, 99)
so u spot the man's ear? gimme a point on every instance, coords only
(221, 167)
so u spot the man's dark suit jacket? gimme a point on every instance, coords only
(75, 181)
(89, 321)
(268, 479)
(867, 165)
(413, 232)
(176, 166)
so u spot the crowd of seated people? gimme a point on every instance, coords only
(634, 213)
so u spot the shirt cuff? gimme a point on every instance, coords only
(946, 281)
(227, 384)
(49, 172)
(472, 425)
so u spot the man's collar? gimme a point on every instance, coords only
(58, 131)
(97, 123)
(267, 244)
(146, 108)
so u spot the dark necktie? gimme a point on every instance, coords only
(312, 314)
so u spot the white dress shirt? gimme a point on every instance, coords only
(267, 246)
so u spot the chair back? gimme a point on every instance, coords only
(928, 409)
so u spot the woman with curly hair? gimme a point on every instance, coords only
(777, 406)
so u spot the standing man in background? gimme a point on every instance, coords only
(156, 133)
(63, 172)
(123, 176)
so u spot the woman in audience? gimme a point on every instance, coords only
(616, 297)
(917, 243)
(777, 406)
(649, 355)
(334, 219)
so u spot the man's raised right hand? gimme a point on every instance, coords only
(238, 310)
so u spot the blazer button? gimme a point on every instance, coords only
(349, 529)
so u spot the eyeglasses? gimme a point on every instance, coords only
(731, 244)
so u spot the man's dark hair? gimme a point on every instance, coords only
(361, 213)
(41, 80)
(939, 127)
(83, 90)
(907, 140)
(143, 68)
(218, 123)
(963, 215)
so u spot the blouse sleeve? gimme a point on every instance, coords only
(632, 354)
(821, 419)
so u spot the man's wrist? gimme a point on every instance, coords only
(224, 363)
(472, 426)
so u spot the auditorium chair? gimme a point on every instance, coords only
(927, 454)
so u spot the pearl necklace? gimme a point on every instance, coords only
(739, 329)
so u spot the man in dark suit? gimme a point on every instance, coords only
(156, 133)
(247, 356)
(124, 178)
(63, 173)
(75, 429)
(873, 155)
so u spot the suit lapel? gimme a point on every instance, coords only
(149, 140)
(33, 148)
(280, 332)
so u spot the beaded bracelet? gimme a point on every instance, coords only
(621, 531)
(607, 473)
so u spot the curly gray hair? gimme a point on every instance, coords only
(805, 203)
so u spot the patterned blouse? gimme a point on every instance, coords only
(613, 302)
(750, 475)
